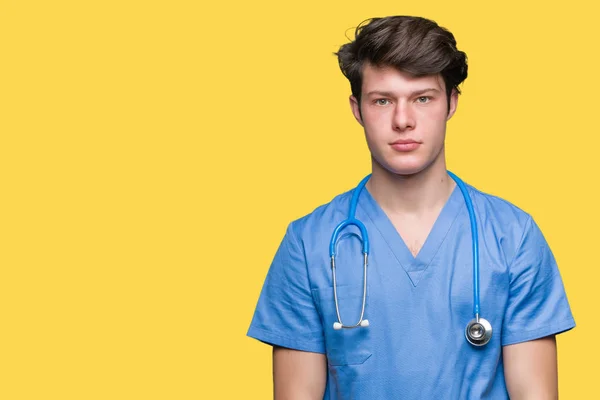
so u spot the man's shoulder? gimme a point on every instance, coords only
(323, 215)
(495, 200)
(497, 207)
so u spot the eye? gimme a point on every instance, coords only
(423, 99)
(382, 102)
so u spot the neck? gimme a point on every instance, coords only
(418, 194)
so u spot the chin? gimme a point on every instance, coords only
(405, 171)
(405, 168)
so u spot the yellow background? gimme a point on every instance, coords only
(153, 152)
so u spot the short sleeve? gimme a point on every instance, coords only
(537, 303)
(285, 314)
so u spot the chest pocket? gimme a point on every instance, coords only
(344, 346)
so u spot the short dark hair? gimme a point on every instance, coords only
(415, 45)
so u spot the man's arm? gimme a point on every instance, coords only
(298, 375)
(530, 369)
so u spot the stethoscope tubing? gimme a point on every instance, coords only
(478, 331)
(475, 241)
(351, 220)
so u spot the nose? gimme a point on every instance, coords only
(403, 117)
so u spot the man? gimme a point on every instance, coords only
(404, 74)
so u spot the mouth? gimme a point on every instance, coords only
(404, 145)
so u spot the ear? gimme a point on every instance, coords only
(453, 104)
(356, 109)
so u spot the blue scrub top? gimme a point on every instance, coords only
(418, 307)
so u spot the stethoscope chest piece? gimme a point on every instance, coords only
(478, 331)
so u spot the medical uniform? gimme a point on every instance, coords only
(417, 307)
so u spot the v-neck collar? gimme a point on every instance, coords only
(414, 266)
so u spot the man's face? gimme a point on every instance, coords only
(404, 118)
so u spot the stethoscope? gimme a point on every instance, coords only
(478, 331)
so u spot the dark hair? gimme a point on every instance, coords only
(414, 45)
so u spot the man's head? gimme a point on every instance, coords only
(414, 45)
(404, 74)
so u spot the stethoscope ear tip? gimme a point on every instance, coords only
(364, 323)
(337, 326)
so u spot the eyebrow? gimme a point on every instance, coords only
(390, 94)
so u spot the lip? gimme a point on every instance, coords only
(405, 145)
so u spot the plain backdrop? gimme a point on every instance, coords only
(153, 152)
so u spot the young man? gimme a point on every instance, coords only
(407, 326)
